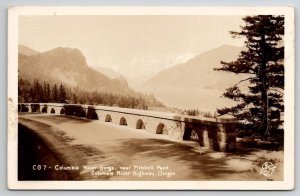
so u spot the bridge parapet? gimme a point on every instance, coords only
(215, 133)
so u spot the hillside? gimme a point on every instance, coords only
(112, 74)
(26, 50)
(198, 71)
(195, 83)
(68, 66)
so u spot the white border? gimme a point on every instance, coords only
(286, 184)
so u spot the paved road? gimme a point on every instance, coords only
(112, 152)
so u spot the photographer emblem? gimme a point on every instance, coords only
(267, 169)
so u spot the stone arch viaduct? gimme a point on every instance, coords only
(218, 134)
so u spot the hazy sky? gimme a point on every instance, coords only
(136, 46)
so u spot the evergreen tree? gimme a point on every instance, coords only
(31, 95)
(36, 91)
(54, 97)
(261, 105)
(48, 93)
(62, 94)
(75, 99)
(45, 98)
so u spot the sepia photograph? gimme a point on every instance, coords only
(127, 97)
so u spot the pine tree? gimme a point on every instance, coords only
(48, 93)
(54, 97)
(62, 94)
(261, 105)
(31, 95)
(45, 98)
(37, 90)
(75, 99)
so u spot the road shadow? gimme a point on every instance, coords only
(202, 166)
(199, 166)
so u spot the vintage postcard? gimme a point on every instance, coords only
(151, 98)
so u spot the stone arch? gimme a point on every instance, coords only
(194, 133)
(62, 111)
(52, 111)
(123, 121)
(91, 113)
(140, 124)
(160, 128)
(44, 109)
(187, 133)
(82, 113)
(25, 109)
(35, 107)
(108, 118)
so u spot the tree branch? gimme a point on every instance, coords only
(243, 81)
(274, 89)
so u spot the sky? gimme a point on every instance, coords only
(138, 47)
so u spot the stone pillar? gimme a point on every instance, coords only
(29, 108)
(187, 132)
(227, 126)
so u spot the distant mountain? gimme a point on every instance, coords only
(198, 72)
(26, 50)
(67, 66)
(195, 83)
(112, 74)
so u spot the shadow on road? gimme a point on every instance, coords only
(189, 162)
(202, 166)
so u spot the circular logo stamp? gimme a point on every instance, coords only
(267, 169)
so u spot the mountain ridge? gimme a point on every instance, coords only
(195, 83)
(188, 73)
(25, 50)
(68, 66)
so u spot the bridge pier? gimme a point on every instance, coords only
(219, 136)
(207, 135)
(227, 132)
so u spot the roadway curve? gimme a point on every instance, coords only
(56, 140)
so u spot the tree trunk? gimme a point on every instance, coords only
(264, 90)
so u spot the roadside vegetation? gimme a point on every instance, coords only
(44, 92)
